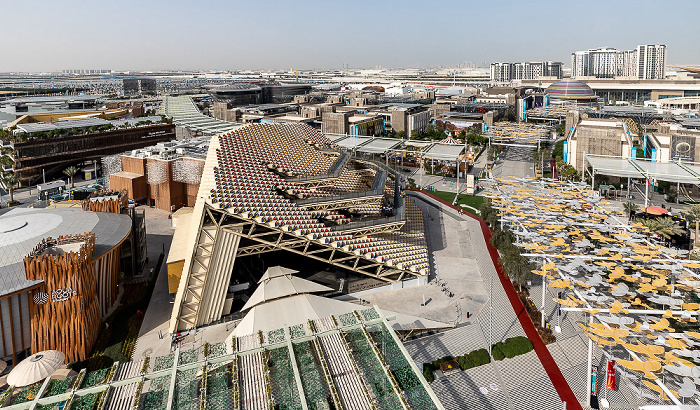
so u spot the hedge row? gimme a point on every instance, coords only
(476, 358)
(510, 348)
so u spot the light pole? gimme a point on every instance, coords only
(490, 315)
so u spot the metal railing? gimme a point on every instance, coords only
(333, 172)
(369, 221)
(338, 198)
(377, 190)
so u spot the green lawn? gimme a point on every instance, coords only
(471, 200)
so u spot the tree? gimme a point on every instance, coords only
(539, 155)
(567, 172)
(632, 207)
(664, 227)
(71, 171)
(489, 214)
(10, 181)
(693, 215)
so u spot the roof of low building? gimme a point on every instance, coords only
(22, 229)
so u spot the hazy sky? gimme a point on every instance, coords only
(51, 35)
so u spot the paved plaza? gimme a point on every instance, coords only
(514, 161)
(463, 265)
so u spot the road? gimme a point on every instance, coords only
(514, 161)
(27, 196)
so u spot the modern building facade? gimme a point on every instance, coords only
(505, 72)
(137, 86)
(674, 142)
(646, 62)
(609, 137)
(167, 182)
(651, 61)
(50, 155)
(53, 292)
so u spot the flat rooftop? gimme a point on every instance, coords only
(22, 229)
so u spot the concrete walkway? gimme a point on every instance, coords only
(509, 319)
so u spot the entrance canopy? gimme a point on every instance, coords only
(679, 172)
(379, 146)
(443, 152)
(615, 167)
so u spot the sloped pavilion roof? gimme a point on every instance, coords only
(278, 282)
(295, 309)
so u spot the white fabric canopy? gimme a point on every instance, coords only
(616, 167)
(281, 286)
(35, 368)
(443, 152)
(297, 309)
(276, 271)
(640, 168)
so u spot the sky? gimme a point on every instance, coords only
(50, 35)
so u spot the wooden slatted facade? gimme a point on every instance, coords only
(114, 204)
(68, 319)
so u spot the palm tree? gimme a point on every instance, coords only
(71, 171)
(10, 181)
(664, 227)
(630, 207)
(516, 266)
(693, 215)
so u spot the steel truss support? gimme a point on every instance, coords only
(261, 238)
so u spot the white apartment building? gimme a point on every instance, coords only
(651, 61)
(646, 62)
(505, 72)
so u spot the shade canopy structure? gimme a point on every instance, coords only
(379, 146)
(443, 152)
(353, 142)
(669, 171)
(655, 210)
(276, 271)
(613, 166)
(281, 312)
(512, 133)
(35, 368)
(280, 285)
(450, 141)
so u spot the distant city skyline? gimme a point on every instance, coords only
(48, 36)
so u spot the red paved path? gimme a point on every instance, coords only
(550, 366)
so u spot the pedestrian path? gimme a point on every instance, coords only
(514, 380)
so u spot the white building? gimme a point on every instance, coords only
(505, 72)
(651, 61)
(646, 62)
